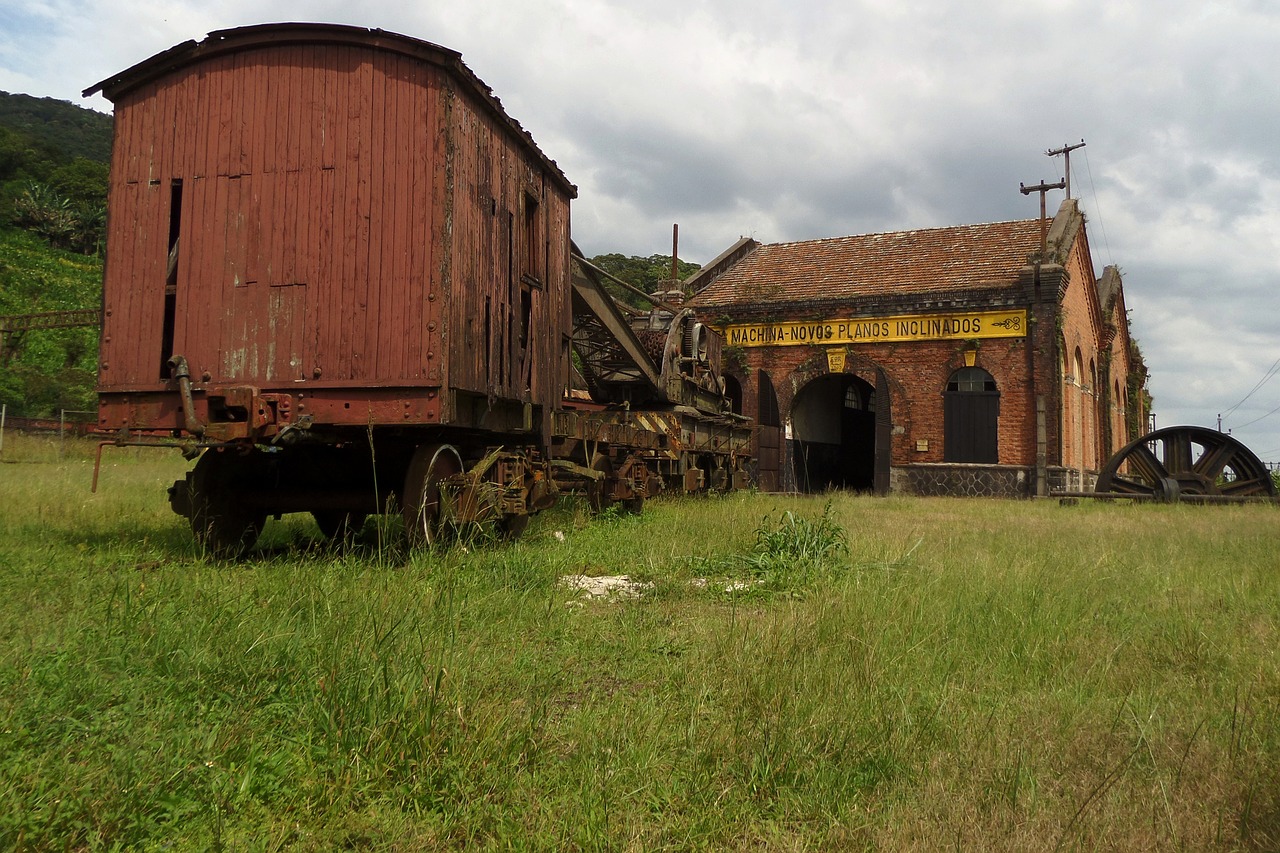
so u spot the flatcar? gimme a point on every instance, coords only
(341, 278)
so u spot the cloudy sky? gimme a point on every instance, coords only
(801, 119)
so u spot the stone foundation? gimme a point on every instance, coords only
(956, 480)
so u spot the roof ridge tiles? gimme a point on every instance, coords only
(930, 229)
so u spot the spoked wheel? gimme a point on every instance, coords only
(339, 525)
(1186, 460)
(221, 521)
(427, 499)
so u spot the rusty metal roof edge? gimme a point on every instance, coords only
(224, 41)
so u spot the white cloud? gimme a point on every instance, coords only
(785, 121)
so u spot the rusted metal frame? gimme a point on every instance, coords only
(189, 449)
(382, 406)
(605, 318)
(602, 358)
(51, 320)
(630, 288)
(577, 470)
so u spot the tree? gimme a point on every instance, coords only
(13, 153)
(81, 181)
(647, 274)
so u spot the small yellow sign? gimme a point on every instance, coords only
(835, 360)
(875, 330)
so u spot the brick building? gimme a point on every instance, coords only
(957, 360)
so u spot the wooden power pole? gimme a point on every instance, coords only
(1065, 151)
(1043, 189)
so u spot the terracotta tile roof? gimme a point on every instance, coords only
(926, 261)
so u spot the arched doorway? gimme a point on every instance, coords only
(833, 430)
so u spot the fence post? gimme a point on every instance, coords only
(4, 409)
(62, 433)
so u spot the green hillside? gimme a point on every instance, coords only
(44, 371)
(53, 170)
(60, 130)
(53, 186)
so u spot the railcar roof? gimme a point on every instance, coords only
(221, 42)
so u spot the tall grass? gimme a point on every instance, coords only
(969, 674)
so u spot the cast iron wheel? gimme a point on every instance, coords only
(650, 485)
(222, 523)
(427, 503)
(510, 527)
(600, 492)
(1186, 460)
(339, 525)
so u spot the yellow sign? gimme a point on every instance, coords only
(875, 330)
(835, 360)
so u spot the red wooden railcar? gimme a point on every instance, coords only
(340, 272)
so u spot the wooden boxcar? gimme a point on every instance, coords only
(342, 274)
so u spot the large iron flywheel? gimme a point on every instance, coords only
(1185, 461)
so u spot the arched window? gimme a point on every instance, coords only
(971, 414)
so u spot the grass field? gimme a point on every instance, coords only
(798, 674)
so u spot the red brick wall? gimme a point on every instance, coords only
(917, 374)
(1084, 416)
(1081, 331)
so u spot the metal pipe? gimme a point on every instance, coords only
(675, 252)
(181, 373)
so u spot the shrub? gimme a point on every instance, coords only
(66, 225)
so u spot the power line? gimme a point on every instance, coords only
(1096, 206)
(1255, 420)
(1263, 381)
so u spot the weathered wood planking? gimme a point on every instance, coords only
(355, 211)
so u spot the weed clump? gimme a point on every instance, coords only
(794, 538)
(794, 551)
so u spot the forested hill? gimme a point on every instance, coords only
(58, 129)
(53, 170)
(53, 191)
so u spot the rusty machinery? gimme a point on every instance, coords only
(1183, 463)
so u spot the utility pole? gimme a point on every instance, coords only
(1043, 189)
(1065, 151)
(1042, 434)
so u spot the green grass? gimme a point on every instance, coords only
(911, 674)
